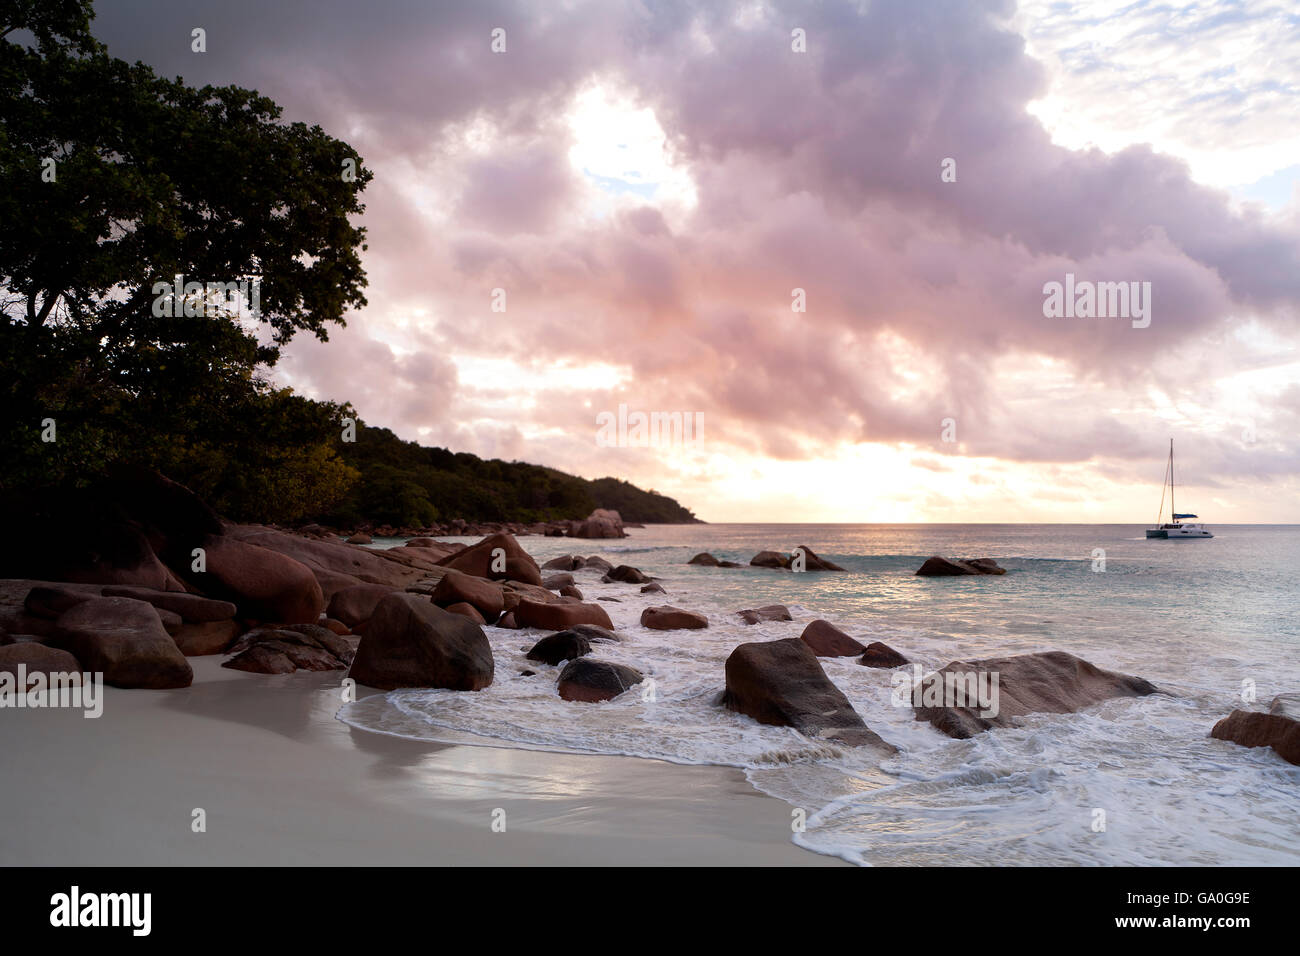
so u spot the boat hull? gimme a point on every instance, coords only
(1179, 532)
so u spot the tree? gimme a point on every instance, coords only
(114, 181)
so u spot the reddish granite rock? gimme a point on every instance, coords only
(1053, 682)
(193, 608)
(770, 559)
(125, 640)
(265, 585)
(881, 655)
(337, 565)
(360, 538)
(411, 642)
(559, 617)
(937, 567)
(704, 559)
(559, 647)
(565, 562)
(571, 591)
(354, 605)
(1279, 728)
(484, 596)
(466, 610)
(668, 618)
(827, 640)
(37, 659)
(496, 551)
(601, 523)
(770, 612)
(782, 683)
(811, 561)
(307, 647)
(626, 574)
(593, 681)
(654, 587)
(51, 600)
(209, 637)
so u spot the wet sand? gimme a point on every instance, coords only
(283, 782)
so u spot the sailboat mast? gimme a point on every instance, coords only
(1172, 509)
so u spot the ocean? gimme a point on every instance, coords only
(1129, 782)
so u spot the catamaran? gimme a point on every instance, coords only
(1176, 527)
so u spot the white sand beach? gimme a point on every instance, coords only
(283, 782)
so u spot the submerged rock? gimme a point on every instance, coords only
(769, 612)
(592, 681)
(781, 683)
(704, 559)
(559, 617)
(1279, 728)
(562, 646)
(1053, 682)
(565, 562)
(881, 655)
(626, 574)
(937, 567)
(811, 560)
(668, 618)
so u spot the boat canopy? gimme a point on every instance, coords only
(1179, 517)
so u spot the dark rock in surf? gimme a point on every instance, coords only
(593, 681)
(827, 640)
(1279, 728)
(1053, 682)
(937, 567)
(782, 683)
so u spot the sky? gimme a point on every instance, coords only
(821, 233)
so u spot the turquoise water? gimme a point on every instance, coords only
(1202, 619)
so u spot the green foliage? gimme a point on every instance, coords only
(399, 478)
(152, 179)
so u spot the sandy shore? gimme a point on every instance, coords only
(283, 782)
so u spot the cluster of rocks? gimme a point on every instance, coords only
(159, 579)
(601, 523)
(801, 558)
